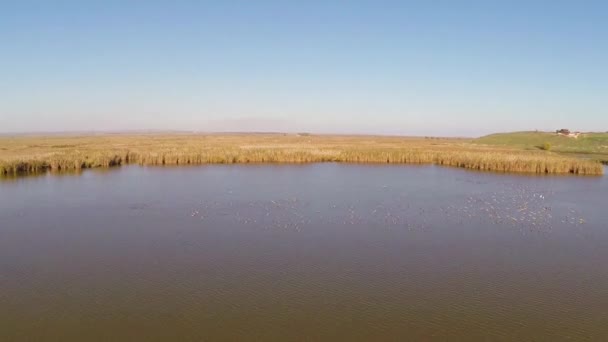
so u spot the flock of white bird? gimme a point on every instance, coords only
(518, 207)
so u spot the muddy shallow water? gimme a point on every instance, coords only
(303, 252)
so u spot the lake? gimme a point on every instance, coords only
(303, 252)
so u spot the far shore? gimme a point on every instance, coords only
(35, 154)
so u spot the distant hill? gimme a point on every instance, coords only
(594, 144)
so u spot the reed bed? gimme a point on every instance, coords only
(35, 155)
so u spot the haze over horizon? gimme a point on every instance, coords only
(365, 67)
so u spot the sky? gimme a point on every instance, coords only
(452, 68)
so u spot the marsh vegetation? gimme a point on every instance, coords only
(38, 154)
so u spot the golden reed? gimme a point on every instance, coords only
(33, 155)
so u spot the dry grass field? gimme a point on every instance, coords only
(37, 154)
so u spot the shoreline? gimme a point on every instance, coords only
(499, 173)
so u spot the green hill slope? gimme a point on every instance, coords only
(594, 145)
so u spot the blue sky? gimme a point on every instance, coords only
(392, 67)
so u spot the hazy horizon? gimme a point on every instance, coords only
(462, 69)
(261, 131)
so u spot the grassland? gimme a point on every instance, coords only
(587, 145)
(38, 154)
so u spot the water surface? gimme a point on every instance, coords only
(311, 252)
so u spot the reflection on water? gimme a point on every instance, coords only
(313, 252)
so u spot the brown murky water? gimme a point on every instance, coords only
(313, 252)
